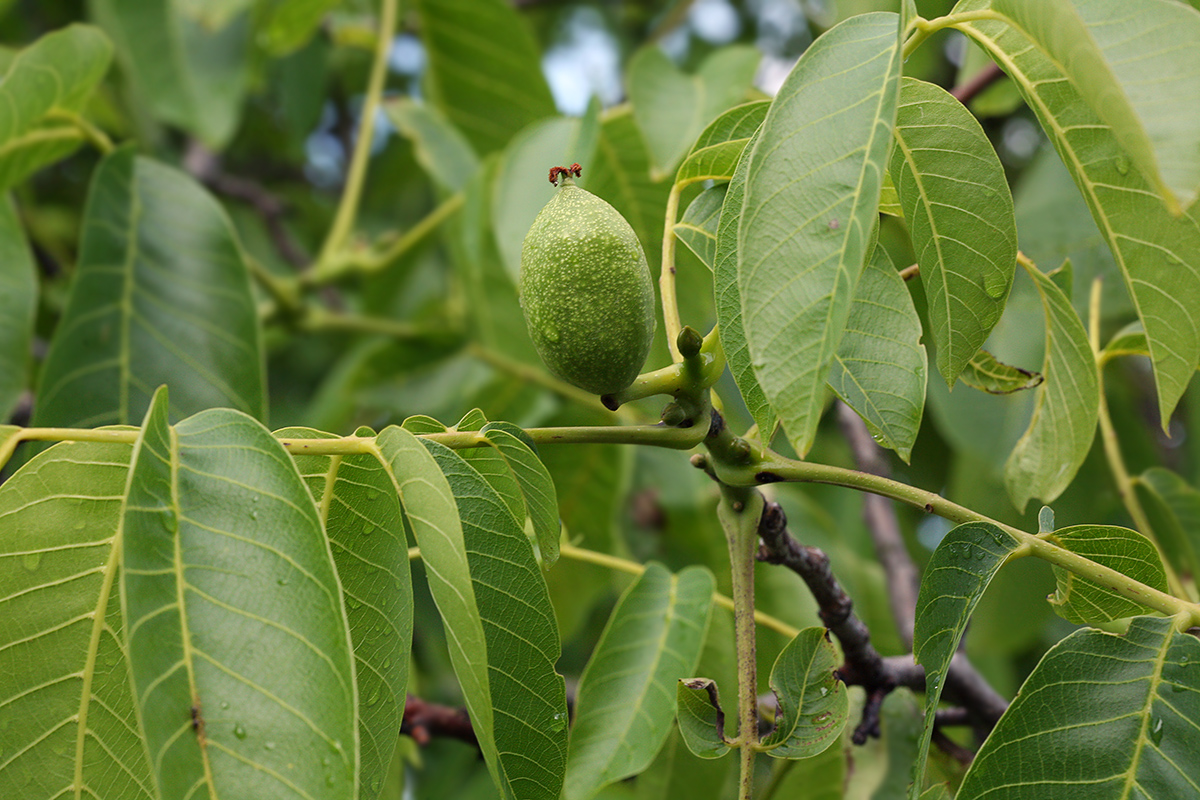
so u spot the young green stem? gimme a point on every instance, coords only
(739, 512)
(666, 278)
(347, 210)
(1112, 450)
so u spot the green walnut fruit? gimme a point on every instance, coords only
(586, 291)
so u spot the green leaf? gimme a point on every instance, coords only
(813, 705)
(494, 310)
(625, 705)
(361, 515)
(822, 777)
(161, 296)
(18, 307)
(483, 69)
(66, 691)
(47, 83)
(698, 227)
(1066, 406)
(292, 23)
(537, 486)
(1085, 602)
(675, 773)
(1174, 510)
(879, 369)
(1132, 75)
(889, 200)
(10, 437)
(963, 565)
(1119, 713)
(239, 647)
(701, 719)
(528, 736)
(190, 75)
(938, 791)
(960, 217)
(441, 150)
(715, 154)
(1129, 341)
(729, 301)
(812, 191)
(673, 108)
(421, 423)
(521, 188)
(622, 177)
(1153, 250)
(988, 374)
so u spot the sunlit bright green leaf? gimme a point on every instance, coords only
(238, 642)
(541, 504)
(1066, 408)
(879, 369)
(1151, 248)
(961, 568)
(484, 72)
(626, 699)
(189, 74)
(361, 515)
(811, 200)
(960, 217)
(1132, 64)
(1084, 602)
(813, 706)
(47, 82)
(161, 296)
(716, 151)
(528, 736)
(292, 23)
(672, 108)
(698, 227)
(65, 701)
(1120, 714)
(18, 305)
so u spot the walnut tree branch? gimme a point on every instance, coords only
(423, 721)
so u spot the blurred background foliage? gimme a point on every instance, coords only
(269, 127)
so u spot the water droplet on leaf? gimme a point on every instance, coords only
(269, 745)
(30, 561)
(1156, 730)
(368, 529)
(550, 333)
(374, 698)
(282, 581)
(1122, 165)
(995, 285)
(224, 705)
(239, 731)
(558, 722)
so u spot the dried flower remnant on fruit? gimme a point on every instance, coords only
(586, 289)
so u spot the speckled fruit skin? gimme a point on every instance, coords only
(587, 293)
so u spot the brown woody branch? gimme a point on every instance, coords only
(974, 87)
(423, 721)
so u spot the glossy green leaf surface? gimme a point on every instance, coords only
(238, 643)
(715, 154)
(292, 23)
(483, 71)
(672, 108)
(47, 81)
(811, 199)
(1085, 602)
(1139, 742)
(361, 515)
(988, 374)
(189, 74)
(68, 712)
(959, 211)
(440, 148)
(813, 705)
(729, 301)
(677, 773)
(1132, 64)
(537, 487)
(963, 565)
(161, 295)
(698, 227)
(528, 737)
(1151, 248)
(626, 700)
(821, 777)
(701, 718)
(1066, 406)
(18, 306)
(880, 366)
(1173, 506)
